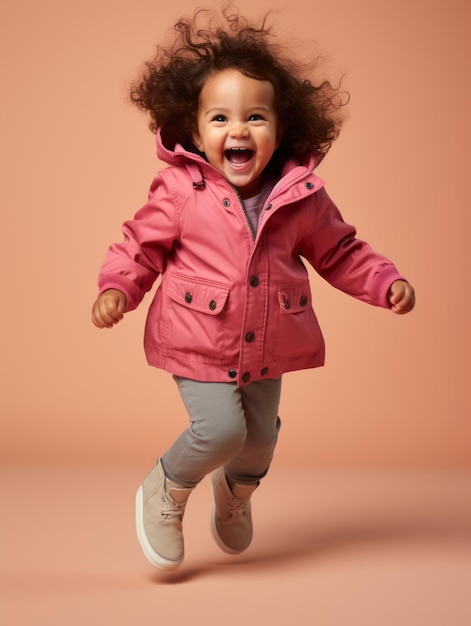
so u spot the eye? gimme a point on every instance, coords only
(255, 117)
(218, 118)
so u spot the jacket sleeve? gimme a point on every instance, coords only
(133, 265)
(347, 263)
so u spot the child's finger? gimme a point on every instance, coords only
(396, 294)
(112, 310)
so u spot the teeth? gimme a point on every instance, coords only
(239, 156)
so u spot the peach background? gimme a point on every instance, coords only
(77, 160)
(365, 518)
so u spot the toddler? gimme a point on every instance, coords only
(228, 225)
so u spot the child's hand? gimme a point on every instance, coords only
(109, 308)
(401, 297)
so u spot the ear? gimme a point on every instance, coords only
(197, 140)
(279, 135)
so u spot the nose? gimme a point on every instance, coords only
(239, 129)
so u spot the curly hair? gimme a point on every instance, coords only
(171, 83)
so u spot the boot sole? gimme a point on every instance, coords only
(151, 555)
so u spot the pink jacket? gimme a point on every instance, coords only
(231, 307)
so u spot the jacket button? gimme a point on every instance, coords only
(308, 185)
(264, 371)
(212, 305)
(226, 202)
(250, 337)
(232, 374)
(245, 377)
(303, 301)
(268, 207)
(287, 304)
(254, 281)
(188, 297)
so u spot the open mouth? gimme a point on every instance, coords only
(238, 156)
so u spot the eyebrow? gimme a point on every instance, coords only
(257, 107)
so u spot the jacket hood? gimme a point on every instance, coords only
(176, 154)
(179, 155)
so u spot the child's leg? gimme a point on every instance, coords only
(217, 432)
(261, 401)
(233, 485)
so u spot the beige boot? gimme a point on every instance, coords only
(231, 522)
(160, 505)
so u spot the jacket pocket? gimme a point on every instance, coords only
(298, 330)
(196, 316)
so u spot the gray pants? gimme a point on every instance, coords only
(232, 426)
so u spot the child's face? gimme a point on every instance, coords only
(238, 128)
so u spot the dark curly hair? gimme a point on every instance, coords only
(171, 83)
